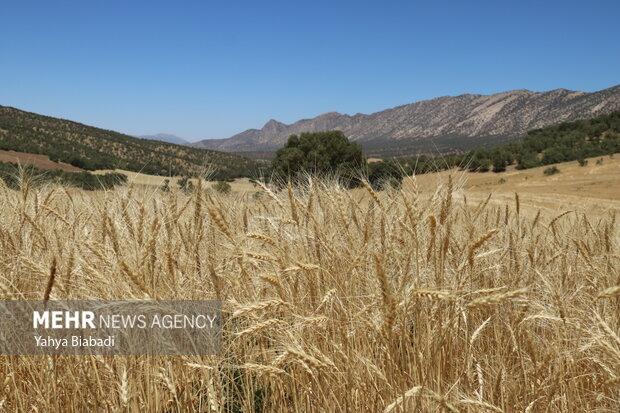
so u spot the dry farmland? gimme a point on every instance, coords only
(430, 298)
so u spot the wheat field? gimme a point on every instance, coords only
(334, 300)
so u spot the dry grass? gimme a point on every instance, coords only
(592, 189)
(334, 300)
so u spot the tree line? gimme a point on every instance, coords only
(12, 175)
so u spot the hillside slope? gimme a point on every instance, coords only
(92, 148)
(593, 188)
(445, 123)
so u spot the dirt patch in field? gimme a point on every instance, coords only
(39, 161)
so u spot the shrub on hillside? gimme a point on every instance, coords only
(165, 186)
(185, 184)
(552, 170)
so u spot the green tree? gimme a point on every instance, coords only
(383, 174)
(319, 153)
(500, 159)
(526, 160)
(479, 161)
(553, 154)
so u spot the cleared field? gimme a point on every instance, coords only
(39, 161)
(334, 300)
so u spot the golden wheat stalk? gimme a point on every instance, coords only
(401, 399)
(495, 299)
(476, 245)
(50, 281)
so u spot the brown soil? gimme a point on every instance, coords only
(39, 161)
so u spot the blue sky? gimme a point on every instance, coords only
(204, 69)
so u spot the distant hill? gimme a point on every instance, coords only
(563, 142)
(165, 137)
(444, 123)
(92, 148)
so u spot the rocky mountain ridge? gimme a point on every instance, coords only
(448, 122)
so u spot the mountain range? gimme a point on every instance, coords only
(165, 137)
(444, 123)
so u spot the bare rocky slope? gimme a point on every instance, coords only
(444, 123)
